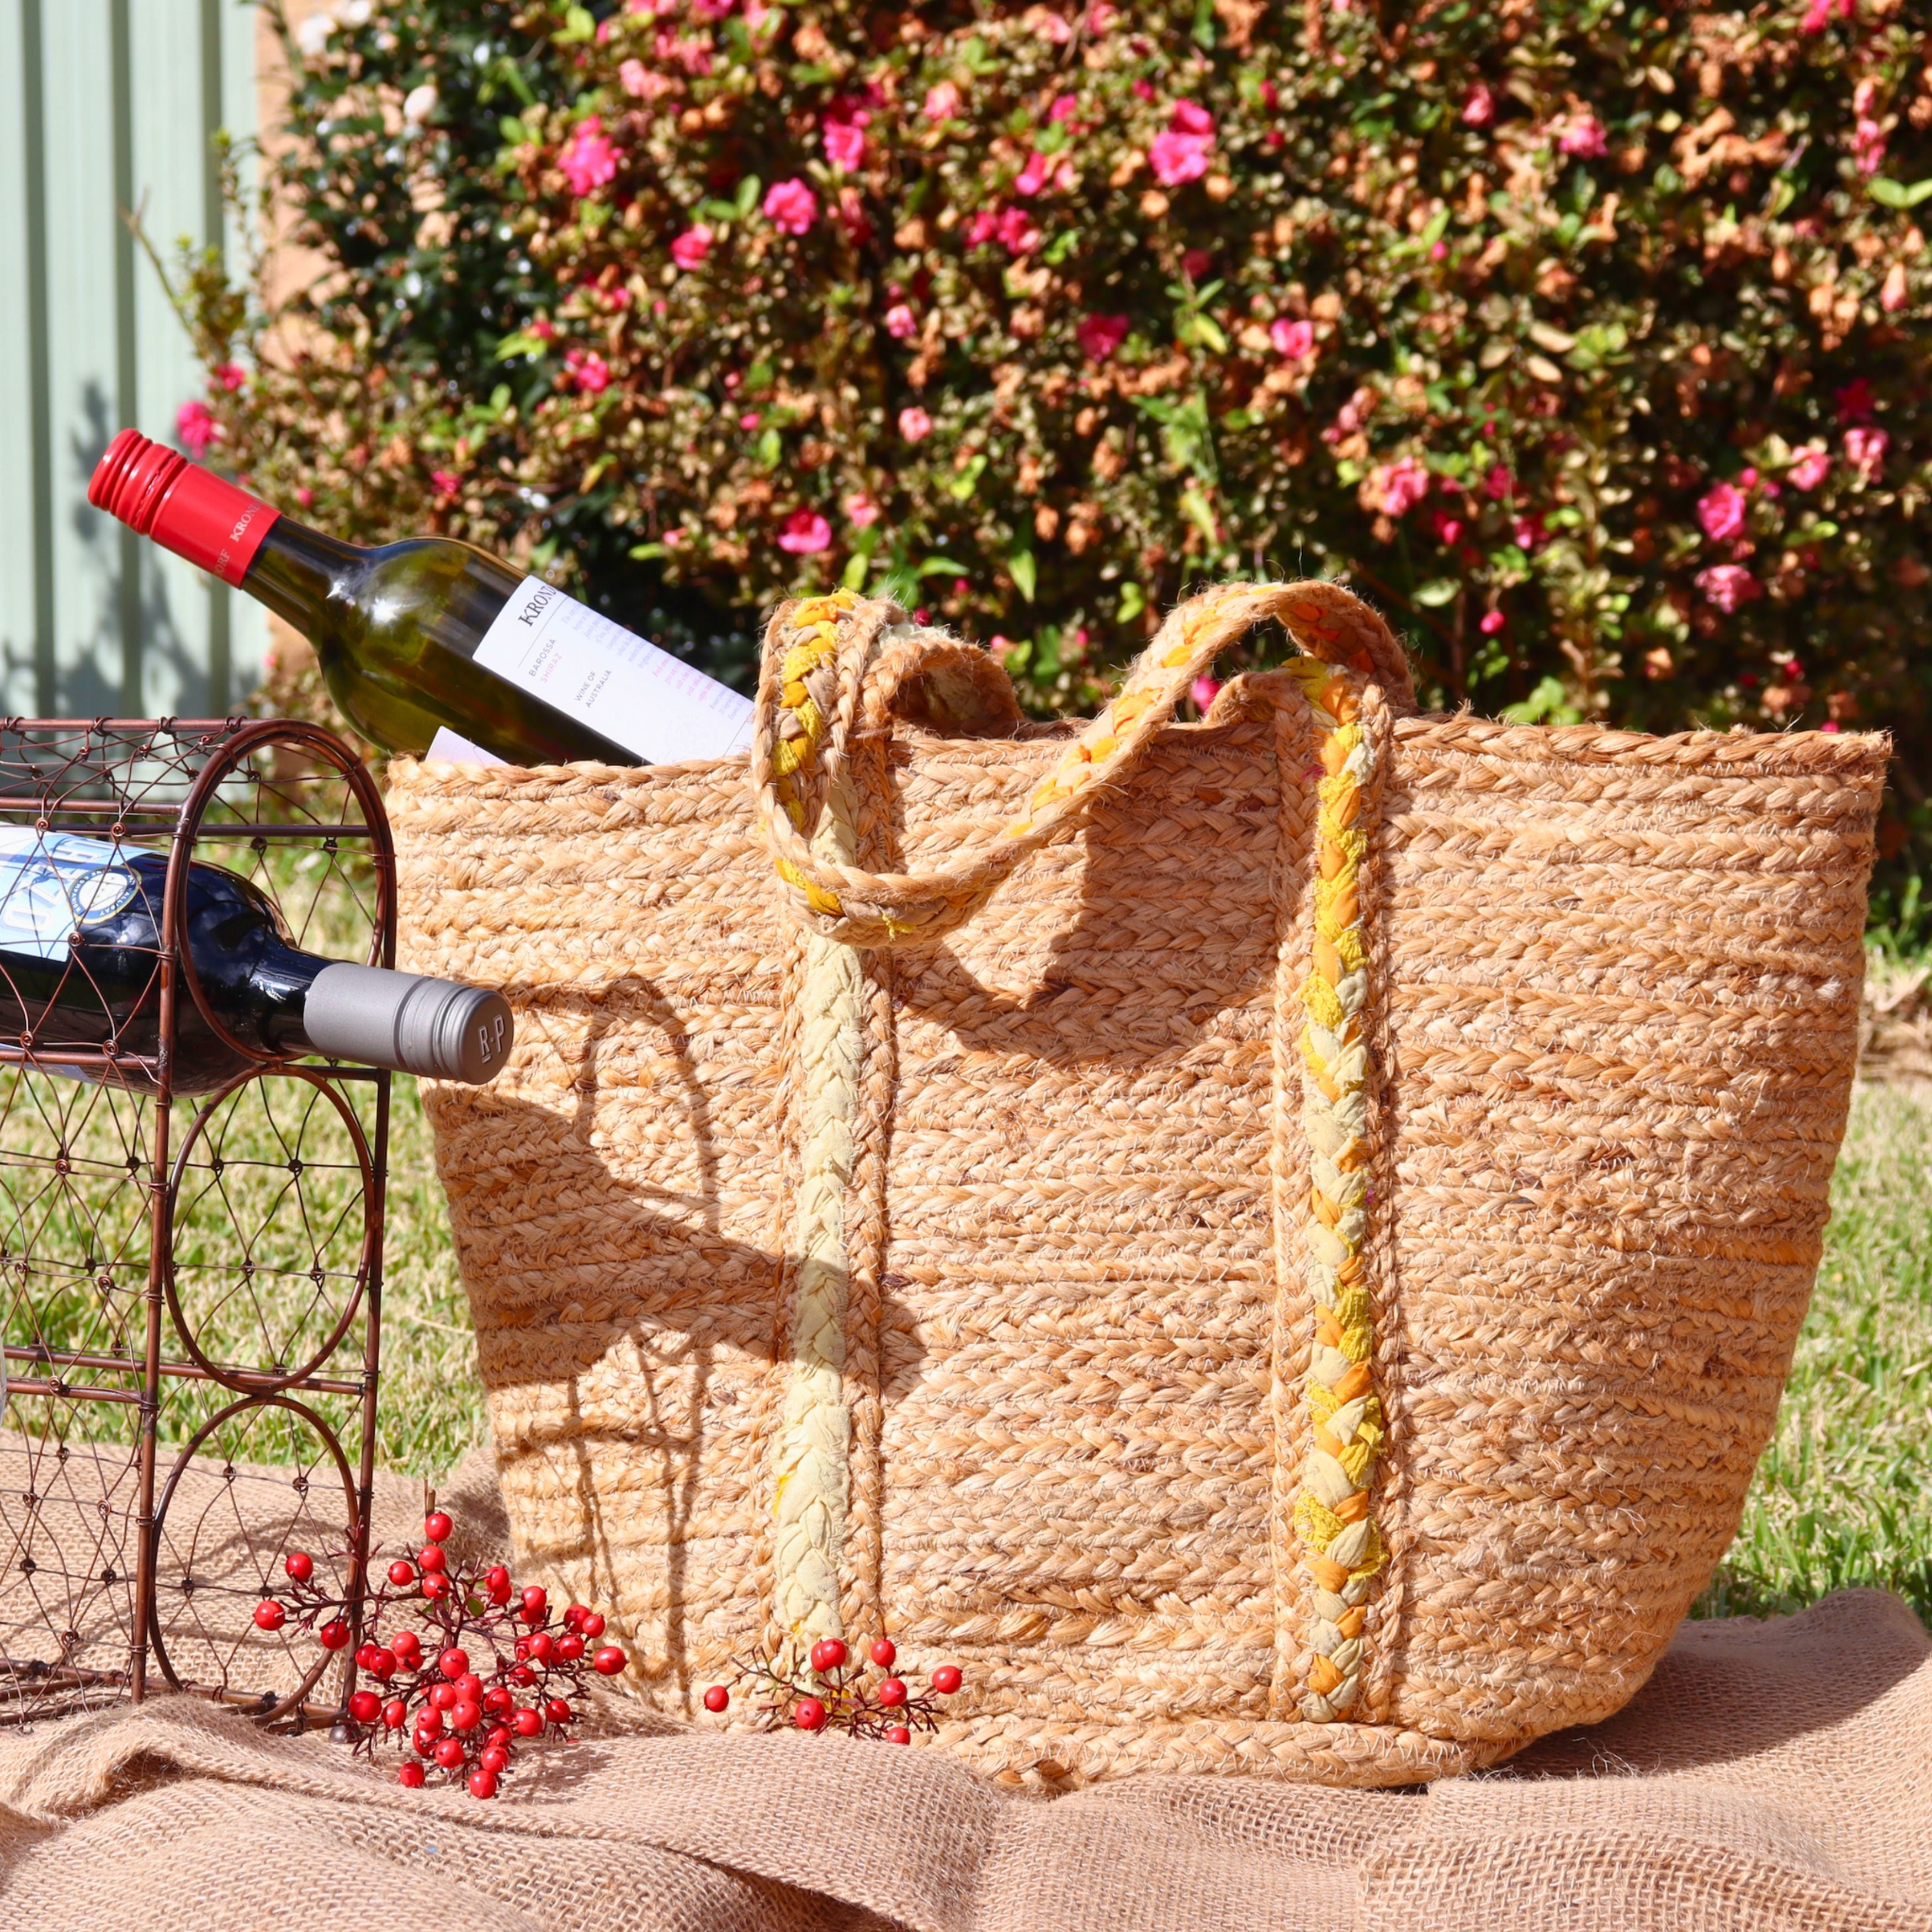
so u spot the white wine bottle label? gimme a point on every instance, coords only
(51, 884)
(608, 678)
(452, 748)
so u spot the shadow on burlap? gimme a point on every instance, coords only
(1772, 1775)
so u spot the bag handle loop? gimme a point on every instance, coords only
(833, 665)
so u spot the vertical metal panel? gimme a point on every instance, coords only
(113, 101)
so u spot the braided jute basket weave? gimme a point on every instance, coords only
(1274, 1243)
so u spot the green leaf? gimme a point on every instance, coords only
(644, 552)
(942, 566)
(854, 575)
(748, 191)
(1548, 704)
(1204, 25)
(1198, 511)
(758, 379)
(714, 210)
(512, 129)
(577, 27)
(961, 486)
(771, 447)
(1026, 572)
(519, 343)
(1062, 245)
(1133, 601)
(1896, 194)
(1433, 596)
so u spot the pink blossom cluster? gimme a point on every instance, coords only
(588, 159)
(1293, 340)
(689, 249)
(790, 206)
(805, 533)
(1180, 154)
(1581, 135)
(1728, 586)
(1401, 485)
(588, 371)
(1099, 335)
(1012, 226)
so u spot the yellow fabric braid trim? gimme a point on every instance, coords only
(1342, 1548)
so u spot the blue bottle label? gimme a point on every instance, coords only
(52, 884)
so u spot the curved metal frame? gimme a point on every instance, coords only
(103, 771)
(357, 1541)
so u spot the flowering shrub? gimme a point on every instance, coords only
(1589, 339)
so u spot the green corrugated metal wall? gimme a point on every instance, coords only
(103, 103)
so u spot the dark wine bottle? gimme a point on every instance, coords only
(430, 636)
(80, 951)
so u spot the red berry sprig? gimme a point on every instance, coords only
(496, 1671)
(829, 1692)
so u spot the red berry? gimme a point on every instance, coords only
(570, 1646)
(436, 1526)
(453, 1663)
(608, 1661)
(424, 1744)
(557, 1711)
(945, 1679)
(395, 1713)
(466, 1716)
(364, 1706)
(435, 1588)
(365, 1657)
(899, 1734)
(482, 1783)
(525, 1722)
(383, 1665)
(523, 1677)
(828, 1654)
(498, 1736)
(300, 1565)
(269, 1615)
(496, 1582)
(449, 1753)
(885, 1652)
(891, 1693)
(471, 1686)
(808, 1714)
(430, 1720)
(574, 1616)
(541, 1646)
(497, 1700)
(402, 1574)
(593, 1626)
(495, 1759)
(716, 1698)
(536, 1601)
(406, 1644)
(442, 1696)
(333, 1635)
(431, 1558)
(411, 1774)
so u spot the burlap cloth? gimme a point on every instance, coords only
(1775, 1774)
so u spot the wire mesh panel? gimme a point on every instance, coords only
(190, 1207)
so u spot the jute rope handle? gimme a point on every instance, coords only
(832, 664)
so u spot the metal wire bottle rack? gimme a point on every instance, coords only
(190, 1283)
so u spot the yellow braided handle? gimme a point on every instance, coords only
(812, 695)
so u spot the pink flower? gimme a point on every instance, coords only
(1143, 90)
(196, 427)
(231, 375)
(1818, 15)
(690, 249)
(1722, 513)
(901, 324)
(1479, 106)
(1448, 528)
(1499, 485)
(1831, 724)
(860, 511)
(641, 81)
(1491, 622)
(1101, 17)
(1099, 335)
(1063, 109)
(915, 425)
(750, 420)
(1034, 176)
(942, 103)
(1401, 485)
(1294, 340)
(1017, 231)
(1049, 25)
(446, 481)
(1189, 117)
(1728, 586)
(305, 497)
(844, 143)
(1529, 532)
(790, 206)
(1809, 467)
(1196, 262)
(543, 329)
(981, 228)
(588, 371)
(587, 159)
(806, 534)
(1178, 159)
(1581, 135)
(1203, 691)
(1865, 451)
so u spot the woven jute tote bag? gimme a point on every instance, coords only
(1274, 1243)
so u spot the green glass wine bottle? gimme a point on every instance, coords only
(431, 646)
